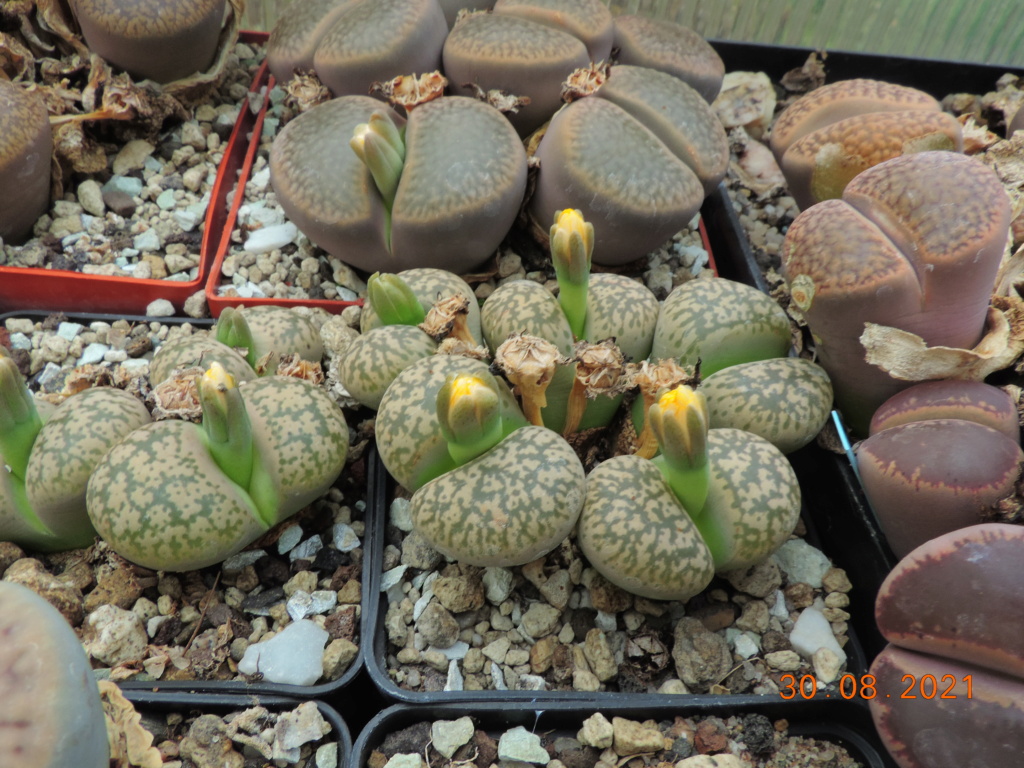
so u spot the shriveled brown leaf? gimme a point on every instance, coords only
(77, 152)
(905, 356)
(54, 17)
(409, 91)
(131, 745)
(305, 91)
(747, 100)
(977, 137)
(807, 77)
(17, 62)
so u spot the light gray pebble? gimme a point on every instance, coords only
(93, 353)
(160, 308)
(802, 563)
(344, 537)
(20, 341)
(455, 681)
(146, 241)
(307, 549)
(523, 745)
(90, 196)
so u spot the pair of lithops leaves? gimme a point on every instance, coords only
(163, 41)
(639, 154)
(52, 711)
(913, 244)
(491, 489)
(941, 455)
(168, 495)
(949, 687)
(26, 143)
(824, 139)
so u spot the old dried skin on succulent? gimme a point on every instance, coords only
(950, 611)
(826, 138)
(890, 253)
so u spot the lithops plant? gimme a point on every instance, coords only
(440, 189)
(350, 44)
(637, 157)
(509, 499)
(46, 466)
(589, 308)
(401, 323)
(941, 457)
(178, 496)
(835, 132)
(713, 500)
(161, 41)
(950, 685)
(410, 439)
(669, 47)
(26, 143)
(527, 48)
(890, 253)
(247, 341)
(785, 400)
(51, 705)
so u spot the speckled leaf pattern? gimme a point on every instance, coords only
(408, 438)
(624, 308)
(67, 450)
(301, 435)
(280, 330)
(198, 350)
(523, 306)
(785, 400)
(371, 361)
(429, 285)
(722, 322)
(507, 507)
(160, 500)
(753, 501)
(635, 532)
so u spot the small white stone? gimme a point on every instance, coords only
(289, 538)
(268, 238)
(160, 308)
(812, 631)
(345, 538)
(448, 735)
(826, 665)
(294, 655)
(454, 681)
(93, 353)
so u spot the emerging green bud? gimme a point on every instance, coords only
(380, 146)
(469, 414)
(226, 424)
(393, 300)
(232, 330)
(19, 420)
(679, 421)
(572, 245)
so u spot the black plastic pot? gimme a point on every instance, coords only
(330, 690)
(222, 704)
(845, 724)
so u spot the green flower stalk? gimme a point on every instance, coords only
(19, 419)
(380, 145)
(679, 420)
(469, 415)
(572, 245)
(393, 300)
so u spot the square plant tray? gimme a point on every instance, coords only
(41, 289)
(211, 576)
(843, 724)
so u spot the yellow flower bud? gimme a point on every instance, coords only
(679, 420)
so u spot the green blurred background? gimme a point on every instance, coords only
(987, 31)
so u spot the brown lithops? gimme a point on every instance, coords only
(829, 136)
(928, 478)
(159, 40)
(26, 144)
(636, 157)
(351, 44)
(915, 244)
(948, 689)
(670, 48)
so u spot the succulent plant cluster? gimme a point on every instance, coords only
(490, 463)
(636, 147)
(171, 494)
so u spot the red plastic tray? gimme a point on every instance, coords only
(31, 288)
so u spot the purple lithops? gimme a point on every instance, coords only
(928, 478)
(161, 41)
(890, 253)
(949, 399)
(949, 689)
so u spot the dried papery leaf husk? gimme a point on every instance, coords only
(130, 743)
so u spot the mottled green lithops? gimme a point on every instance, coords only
(428, 285)
(711, 501)
(197, 350)
(785, 400)
(52, 713)
(721, 323)
(371, 361)
(637, 157)
(26, 143)
(178, 496)
(511, 497)
(268, 330)
(409, 438)
(42, 487)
